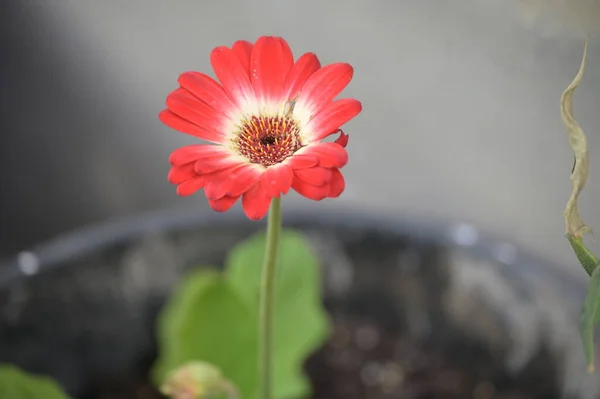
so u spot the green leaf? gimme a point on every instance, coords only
(214, 318)
(301, 324)
(590, 317)
(588, 260)
(17, 384)
(206, 320)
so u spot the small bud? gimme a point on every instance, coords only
(196, 380)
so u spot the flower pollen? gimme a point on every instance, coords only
(268, 140)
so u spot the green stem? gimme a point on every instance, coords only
(267, 302)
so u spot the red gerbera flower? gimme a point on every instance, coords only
(266, 119)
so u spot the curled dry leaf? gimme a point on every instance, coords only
(574, 224)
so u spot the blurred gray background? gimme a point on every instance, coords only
(461, 118)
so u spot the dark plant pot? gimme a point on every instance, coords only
(420, 310)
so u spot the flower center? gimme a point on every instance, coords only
(268, 140)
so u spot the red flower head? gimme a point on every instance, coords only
(266, 119)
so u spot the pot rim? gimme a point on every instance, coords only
(474, 241)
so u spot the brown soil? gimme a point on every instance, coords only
(363, 360)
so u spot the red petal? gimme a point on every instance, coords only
(277, 180)
(309, 191)
(215, 164)
(331, 155)
(332, 116)
(324, 85)
(243, 49)
(182, 125)
(206, 89)
(302, 161)
(256, 203)
(270, 63)
(191, 186)
(179, 174)
(192, 153)
(232, 182)
(222, 204)
(337, 183)
(181, 102)
(343, 139)
(306, 65)
(232, 75)
(314, 176)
